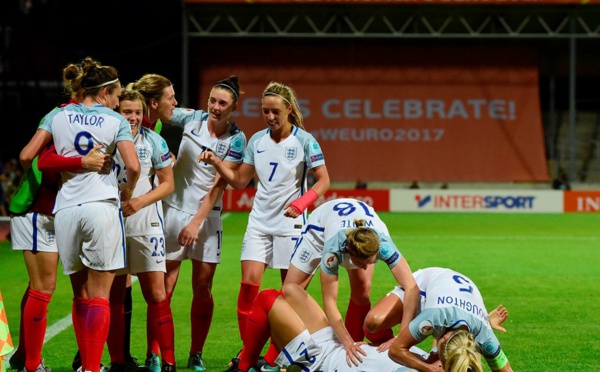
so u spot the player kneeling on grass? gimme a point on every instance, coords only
(302, 335)
(453, 312)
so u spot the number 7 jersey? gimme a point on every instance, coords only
(282, 169)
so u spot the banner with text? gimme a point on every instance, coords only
(481, 201)
(429, 115)
(582, 201)
(242, 200)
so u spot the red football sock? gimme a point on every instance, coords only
(271, 354)
(258, 329)
(248, 292)
(152, 339)
(79, 315)
(116, 330)
(21, 347)
(98, 320)
(201, 316)
(35, 321)
(379, 337)
(355, 318)
(162, 323)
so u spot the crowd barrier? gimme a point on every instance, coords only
(423, 200)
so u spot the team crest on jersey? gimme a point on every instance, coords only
(305, 255)
(426, 328)
(221, 149)
(143, 152)
(50, 237)
(330, 260)
(291, 153)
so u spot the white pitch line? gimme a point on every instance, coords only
(60, 326)
(497, 237)
(67, 321)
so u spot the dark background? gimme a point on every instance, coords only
(40, 37)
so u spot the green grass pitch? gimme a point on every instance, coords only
(542, 267)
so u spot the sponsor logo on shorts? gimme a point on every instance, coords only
(50, 237)
(38, 319)
(297, 226)
(305, 255)
(155, 224)
(159, 261)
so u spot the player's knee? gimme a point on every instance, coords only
(291, 290)
(372, 323)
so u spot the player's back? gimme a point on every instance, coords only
(76, 129)
(339, 214)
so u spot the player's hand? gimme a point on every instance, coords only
(97, 161)
(188, 234)
(437, 366)
(208, 157)
(292, 212)
(386, 345)
(497, 317)
(126, 191)
(132, 206)
(353, 352)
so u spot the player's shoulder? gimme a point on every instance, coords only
(154, 138)
(259, 134)
(187, 115)
(236, 131)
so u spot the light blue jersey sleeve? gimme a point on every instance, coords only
(388, 252)
(439, 320)
(160, 155)
(249, 153)
(124, 133)
(46, 123)
(183, 116)
(236, 148)
(313, 153)
(334, 253)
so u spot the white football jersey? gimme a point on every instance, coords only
(153, 153)
(76, 129)
(282, 169)
(324, 235)
(449, 300)
(193, 180)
